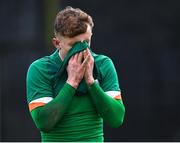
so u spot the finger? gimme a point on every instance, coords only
(85, 53)
(85, 60)
(88, 52)
(72, 58)
(76, 56)
(91, 56)
(80, 56)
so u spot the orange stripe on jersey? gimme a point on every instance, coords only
(114, 94)
(118, 97)
(35, 105)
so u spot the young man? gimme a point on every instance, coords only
(71, 92)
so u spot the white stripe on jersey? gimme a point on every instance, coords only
(42, 100)
(113, 93)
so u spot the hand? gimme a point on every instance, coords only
(76, 69)
(88, 75)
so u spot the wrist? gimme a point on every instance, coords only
(90, 81)
(73, 83)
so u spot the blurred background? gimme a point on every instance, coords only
(142, 38)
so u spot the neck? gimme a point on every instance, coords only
(62, 54)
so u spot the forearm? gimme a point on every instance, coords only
(47, 116)
(111, 110)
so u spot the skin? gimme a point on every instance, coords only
(81, 64)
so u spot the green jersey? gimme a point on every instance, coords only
(81, 120)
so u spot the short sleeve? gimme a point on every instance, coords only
(39, 89)
(110, 82)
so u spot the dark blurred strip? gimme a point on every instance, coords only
(1, 86)
(50, 11)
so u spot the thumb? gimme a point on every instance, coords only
(86, 60)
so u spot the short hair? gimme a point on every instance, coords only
(71, 22)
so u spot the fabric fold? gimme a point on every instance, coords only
(77, 47)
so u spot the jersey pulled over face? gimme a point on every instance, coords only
(66, 43)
